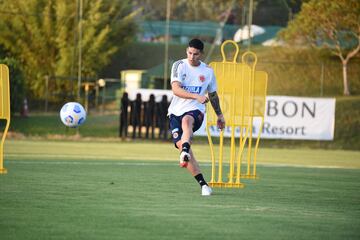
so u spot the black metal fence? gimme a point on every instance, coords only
(143, 119)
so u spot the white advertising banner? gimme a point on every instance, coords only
(291, 118)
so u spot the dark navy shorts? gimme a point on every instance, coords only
(175, 124)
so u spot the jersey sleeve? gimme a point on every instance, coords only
(212, 87)
(176, 71)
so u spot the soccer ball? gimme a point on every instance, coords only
(72, 114)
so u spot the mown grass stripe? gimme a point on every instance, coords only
(119, 163)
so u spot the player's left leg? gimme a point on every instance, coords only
(194, 169)
(193, 166)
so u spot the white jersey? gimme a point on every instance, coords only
(199, 79)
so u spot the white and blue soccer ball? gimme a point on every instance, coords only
(73, 114)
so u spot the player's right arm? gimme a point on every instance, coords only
(182, 93)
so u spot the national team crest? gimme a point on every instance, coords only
(202, 78)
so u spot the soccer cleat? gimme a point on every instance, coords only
(206, 190)
(184, 159)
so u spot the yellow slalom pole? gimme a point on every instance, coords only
(238, 169)
(2, 169)
(221, 137)
(257, 145)
(4, 110)
(251, 99)
(212, 155)
(262, 88)
(232, 144)
(242, 124)
(221, 145)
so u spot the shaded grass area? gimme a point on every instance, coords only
(50, 124)
(121, 190)
(163, 151)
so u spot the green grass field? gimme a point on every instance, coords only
(125, 190)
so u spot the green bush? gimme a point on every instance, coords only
(306, 72)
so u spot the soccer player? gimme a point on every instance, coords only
(191, 80)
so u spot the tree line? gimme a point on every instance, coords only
(43, 38)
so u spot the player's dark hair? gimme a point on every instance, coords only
(196, 43)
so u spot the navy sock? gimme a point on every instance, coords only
(185, 147)
(200, 179)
